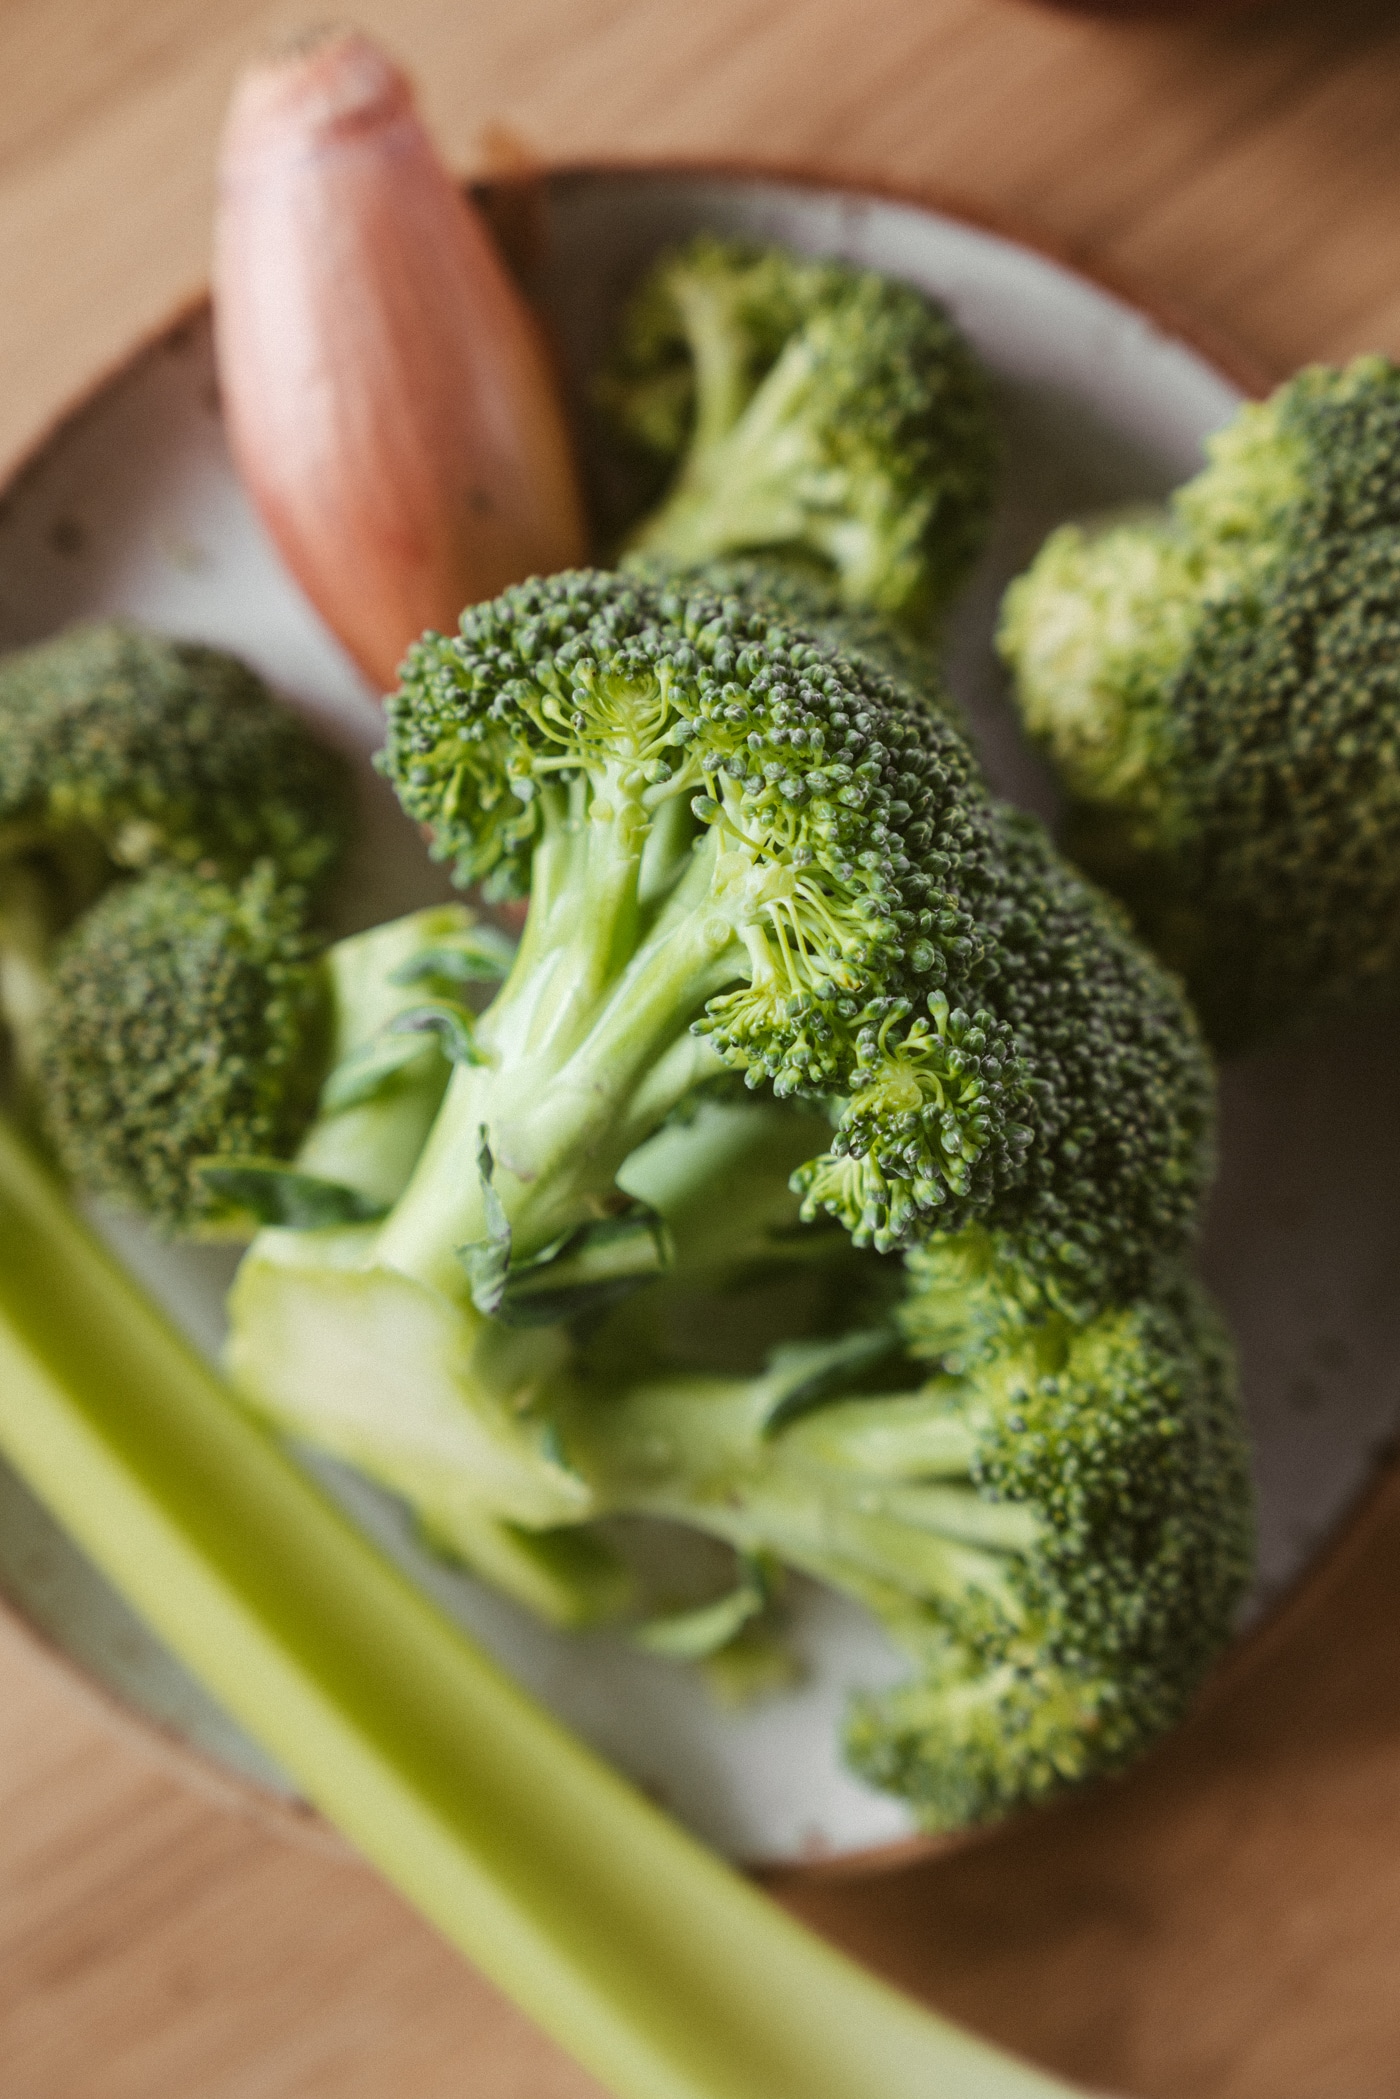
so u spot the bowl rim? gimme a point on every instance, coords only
(525, 181)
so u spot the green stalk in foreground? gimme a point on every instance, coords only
(654, 1964)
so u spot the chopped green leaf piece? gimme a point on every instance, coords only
(274, 1194)
(691, 1636)
(487, 1261)
(452, 1024)
(482, 956)
(368, 1069)
(594, 1267)
(818, 1369)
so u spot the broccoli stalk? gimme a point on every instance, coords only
(812, 410)
(723, 828)
(1057, 1530)
(1214, 684)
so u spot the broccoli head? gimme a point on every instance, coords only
(122, 751)
(809, 409)
(1215, 685)
(745, 851)
(184, 1018)
(821, 1122)
(799, 596)
(1107, 1464)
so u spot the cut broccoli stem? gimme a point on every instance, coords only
(384, 1090)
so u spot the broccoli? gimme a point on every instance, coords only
(1215, 685)
(121, 751)
(799, 597)
(743, 851)
(820, 1113)
(1054, 1521)
(132, 1095)
(811, 410)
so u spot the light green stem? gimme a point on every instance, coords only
(659, 1969)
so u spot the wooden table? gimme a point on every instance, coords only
(1226, 1923)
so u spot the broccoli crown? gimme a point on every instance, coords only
(1052, 1518)
(800, 850)
(186, 1018)
(161, 752)
(797, 594)
(1217, 689)
(1110, 1161)
(810, 407)
(1120, 1443)
(818, 785)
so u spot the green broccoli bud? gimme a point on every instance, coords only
(122, 751)
(812, 409)
(1055, 1525)
(1214, 686)
(746, 851)
(1104, 1168)
(739, 846)
(184, 1018)
(796, 594)
(1120, 1446)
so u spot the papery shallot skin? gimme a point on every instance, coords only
(388, 397)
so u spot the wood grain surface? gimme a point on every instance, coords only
(1223, 1924)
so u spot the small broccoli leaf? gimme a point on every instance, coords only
(487, 1261)
(691, 1635)
(368, 1069)
(272, 1193)
(452, 1024)
(807, 1372)
(483, 956)
(592, 1268)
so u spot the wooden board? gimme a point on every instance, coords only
(1224, 1924)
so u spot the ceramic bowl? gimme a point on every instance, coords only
(133, 507)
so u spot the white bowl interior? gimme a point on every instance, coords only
(134, 508)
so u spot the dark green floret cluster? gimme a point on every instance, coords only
(165, 829)
(1217, 686)
(1117, 1447)
(126, 745)
(134, 1099)
(788, 863)
(810, 409)
(799, 596)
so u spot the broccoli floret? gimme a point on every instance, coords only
(1103, 1057)
(122, 751)
(801, 597)
(748, 858)
(745, 851)
(808, 408)
(1215, 684)
(183, 1018)
(725, 832)
(205, 1060)
(1098, 1562)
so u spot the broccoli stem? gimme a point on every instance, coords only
(748, 481)
(587, 1049)
(704, 1451)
